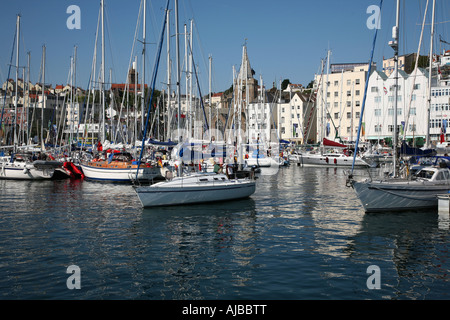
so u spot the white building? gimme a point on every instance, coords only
(411, 105)
(297, 118)
(339, 100)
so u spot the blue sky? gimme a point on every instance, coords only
(285, 39)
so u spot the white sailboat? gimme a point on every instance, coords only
(195, 187)
(334, 157)
(395, 193)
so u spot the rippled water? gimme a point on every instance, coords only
(302, 235)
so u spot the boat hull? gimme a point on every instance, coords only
(25, 171)
(151, 196)
(329, 161)
(120, 174)
(380, 196)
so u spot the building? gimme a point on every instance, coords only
(406, 63)
(297, 118)
(339, 100)
(411, 106)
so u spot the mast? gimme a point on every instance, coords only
(28, 95)
(143, 66)
(188, 102)
(168, 76)
(16, 100)
(179, 138)
(103, 73)
(394, 45)
(210, 103)
(43, 96)
(428, 142)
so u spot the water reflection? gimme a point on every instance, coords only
(303, 234)
(415, 258)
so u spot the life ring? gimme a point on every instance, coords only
(326, 159)
(335, 161)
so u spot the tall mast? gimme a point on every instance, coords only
(191, 117)
(430, 74)
(168, 75)
(103, 72)
(144, 32)
(43, 96)
(179, 138)
(28, 95)
(394, 45)
(210, 103)
(16, 100)
(186, 55)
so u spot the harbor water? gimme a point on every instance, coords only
(302, 235)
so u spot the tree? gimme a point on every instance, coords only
(285, 84)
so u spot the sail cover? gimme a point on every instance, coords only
(330, 143)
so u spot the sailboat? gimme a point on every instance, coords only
(397, 193)
(195, 187)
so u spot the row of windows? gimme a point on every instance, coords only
(349, 82)
(349, 115)
(378, 113)
(391, 88)
(411, 128)
(440, 92)
(377, 99)
(440, 107)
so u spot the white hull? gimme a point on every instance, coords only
(120, 175)
(262, 162)
(25, 171)
(200, 188)
(331, 160)
(379, 196)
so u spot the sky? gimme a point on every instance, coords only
(285, 39)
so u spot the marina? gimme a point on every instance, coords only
(152, 187)
(300, 236)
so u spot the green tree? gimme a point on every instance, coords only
(285, 83)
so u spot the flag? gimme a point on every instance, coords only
(160, 162)
(363, 132)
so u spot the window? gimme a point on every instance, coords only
(336, 83)
(357, 115)
(377, 99)
(336, 115)
(412, 111)
(357, 81)
(378, 128)
(374, 89)
(349, 115)
(349, 94)
(336, 94)
(357, 92)
(417, 86)
(357, 103)
(349, 104)
(378, 112)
